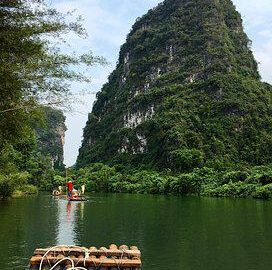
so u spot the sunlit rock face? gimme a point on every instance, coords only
(183, 82)
(134, 119)
(51, 137)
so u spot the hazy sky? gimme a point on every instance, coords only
(109, 21)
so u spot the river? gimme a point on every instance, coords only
(179, 233)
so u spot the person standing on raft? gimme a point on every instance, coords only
(70, 187)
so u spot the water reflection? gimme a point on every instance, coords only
(69, 214)
(172, 232)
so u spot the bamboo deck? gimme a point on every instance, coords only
(112, 258)
(80, 198)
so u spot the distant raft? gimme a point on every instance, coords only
(76, 196)
(81, 258)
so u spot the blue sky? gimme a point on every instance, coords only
(109, 21)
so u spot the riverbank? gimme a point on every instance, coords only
(255, 182)
(26, 190)
(16, 185)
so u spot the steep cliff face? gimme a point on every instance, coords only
(51, 136)
(186, 92)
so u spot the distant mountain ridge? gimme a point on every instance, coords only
(186, 92)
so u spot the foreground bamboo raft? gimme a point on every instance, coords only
(72, 257)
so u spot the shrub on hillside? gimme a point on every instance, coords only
(260, 175)
(239, 190)
(9, 183)
(234, 177)
(186, 159)
(264, 192)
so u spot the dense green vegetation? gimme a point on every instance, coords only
(253, 182)
(33, 71)
(184, 111)
(186, 96)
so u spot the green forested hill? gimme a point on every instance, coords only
(51, 136)
(186, 93)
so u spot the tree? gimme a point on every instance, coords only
(33, 69)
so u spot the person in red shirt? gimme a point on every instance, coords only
(70, 187)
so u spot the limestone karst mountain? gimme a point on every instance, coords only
(50, 137)
(186, 92)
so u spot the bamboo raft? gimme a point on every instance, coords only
(72, 257)
(79, 199)
(62, 196)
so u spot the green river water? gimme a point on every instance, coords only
(173, 233)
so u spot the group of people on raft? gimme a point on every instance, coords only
(73, 194)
